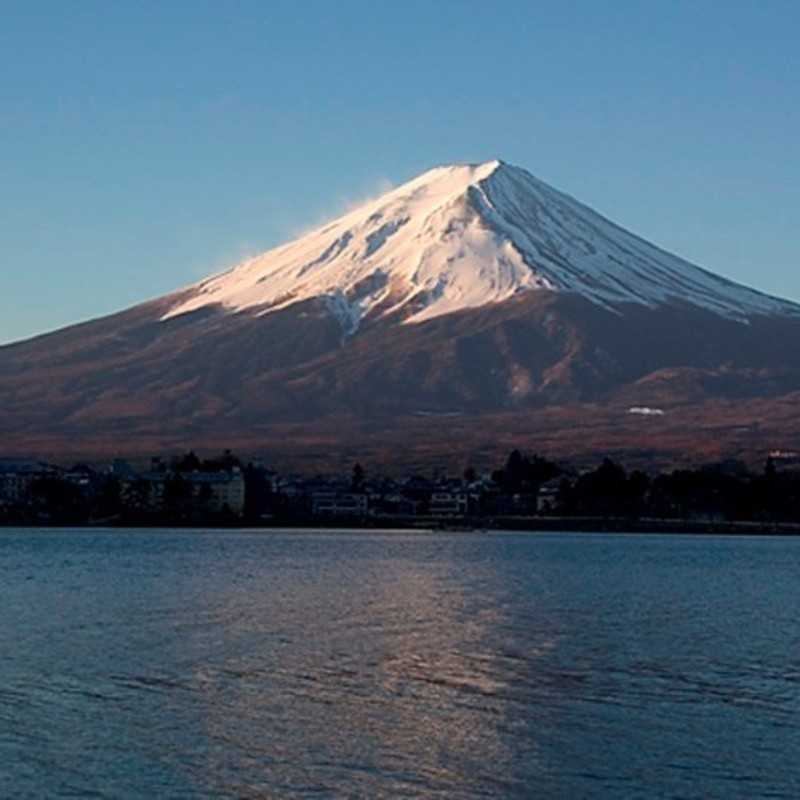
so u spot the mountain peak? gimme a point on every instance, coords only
(463, 236)
(468, 171)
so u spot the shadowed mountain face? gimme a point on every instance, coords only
(470, 310)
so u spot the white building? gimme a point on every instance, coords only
(222, 490)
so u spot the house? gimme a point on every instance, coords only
(395, 505)
(339, 504)
(82, 477)
(785, 459)
(144, 491)
(547, 498)
(17, 479)
(122, 470)
(220, 491)
(449, 504)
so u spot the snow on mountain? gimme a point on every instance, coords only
(464, 236)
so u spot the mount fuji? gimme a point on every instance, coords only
(472, 308)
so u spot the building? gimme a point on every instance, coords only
(219, 491)
(144, 491)
(547, 498)
(394, 504)
(17, 479)
(202, 491)
(785, 459)
(449, 504)
(82, 477)
(339, 504)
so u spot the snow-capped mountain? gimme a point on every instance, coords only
(472, 309)
(465, 236)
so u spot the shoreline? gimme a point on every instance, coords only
(455, 525)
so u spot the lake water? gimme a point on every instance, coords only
(278, 664)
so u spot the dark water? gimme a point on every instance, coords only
(250, 665)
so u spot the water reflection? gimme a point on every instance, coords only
(389, 668)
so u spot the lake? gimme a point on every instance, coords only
(144, 664)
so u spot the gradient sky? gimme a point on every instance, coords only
(144, 145)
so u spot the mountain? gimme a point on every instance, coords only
(469, 310)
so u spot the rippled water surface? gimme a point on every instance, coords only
(194, 665)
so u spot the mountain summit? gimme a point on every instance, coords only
(473, 309)
(464, 236)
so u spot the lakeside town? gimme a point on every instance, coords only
(528, 491)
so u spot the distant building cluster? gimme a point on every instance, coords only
(404, 497)
(41, 491)
(224, 490)
(187, 489)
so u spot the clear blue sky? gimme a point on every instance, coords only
(144, 145)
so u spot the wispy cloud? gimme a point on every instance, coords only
(343, 204)
(226, 260)
(245, 250)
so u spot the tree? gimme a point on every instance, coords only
(59, 500)
(186, 463)
(523, 475)
(177, 495)
(357, 480)
(109, 499)
(205, 497)
(603, 491)
(258, 495)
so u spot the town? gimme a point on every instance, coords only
(527, 492)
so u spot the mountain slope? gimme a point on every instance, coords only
(472, 302)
